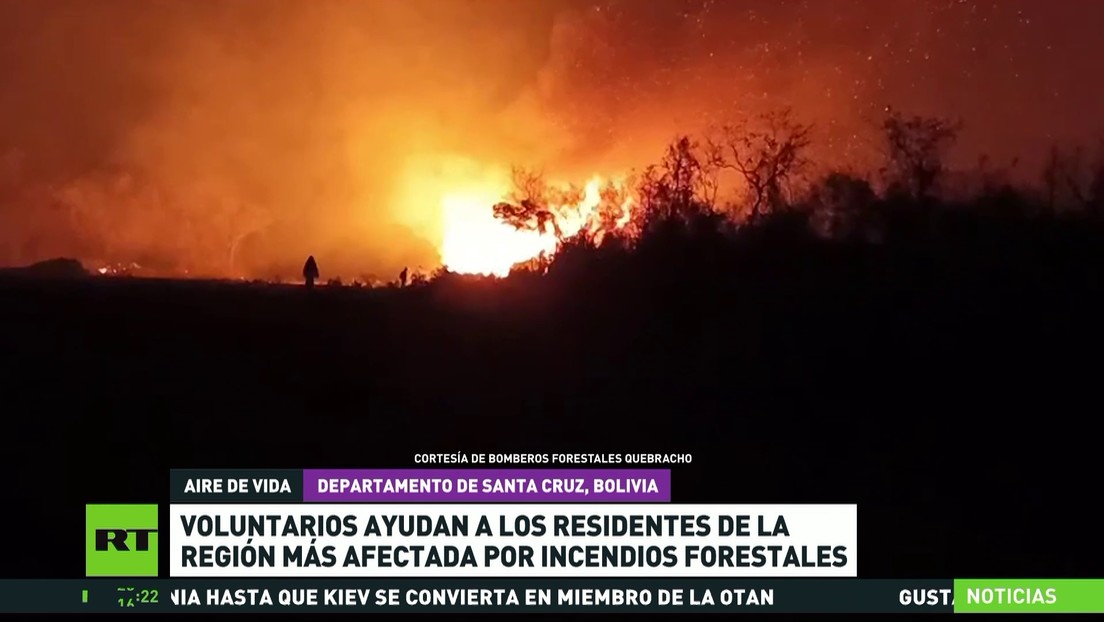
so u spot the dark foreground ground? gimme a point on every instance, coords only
(954, 401)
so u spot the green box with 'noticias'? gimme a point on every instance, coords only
(120, 540)
(1029, 596)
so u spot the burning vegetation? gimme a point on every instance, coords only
(525, 220)
(233, 139)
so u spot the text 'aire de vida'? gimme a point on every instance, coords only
(262, 485)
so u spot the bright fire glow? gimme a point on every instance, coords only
(475, 242)
(468, 236)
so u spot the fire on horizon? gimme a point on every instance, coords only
(235, 138)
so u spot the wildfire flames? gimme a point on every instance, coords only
(482, 221)
(476, 241)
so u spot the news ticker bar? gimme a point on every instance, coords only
(551, 596)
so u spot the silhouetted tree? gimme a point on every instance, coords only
(1072, 181)
(1095, 201)
(688, 176)
(105, 206)
(768, 152)
(533, 265)
(242, 221)
(683, 186)
(1085, 179)
(842, 205)
(1052, 176)
(915, 150)
(535, 205)
(615, 211)
(528, 207)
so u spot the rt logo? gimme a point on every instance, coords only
(120, 540)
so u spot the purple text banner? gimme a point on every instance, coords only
(487, 485)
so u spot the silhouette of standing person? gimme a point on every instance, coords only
(310, 271)
(402, 278)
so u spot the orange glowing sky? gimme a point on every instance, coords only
(234, 138)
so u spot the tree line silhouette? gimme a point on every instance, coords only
(905, 340)
(756, 180)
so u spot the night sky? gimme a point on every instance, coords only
(154, 127)
(1019, 72)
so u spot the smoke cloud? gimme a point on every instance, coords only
(234, 138)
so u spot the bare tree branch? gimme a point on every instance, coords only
(769, 154)
(916, 148)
